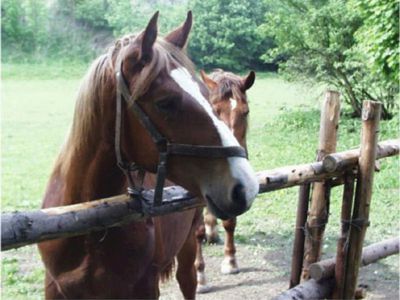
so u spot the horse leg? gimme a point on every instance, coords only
(229, 264)
(186, 271)
(210, 222)
(199, 263)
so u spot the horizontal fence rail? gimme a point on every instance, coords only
(326, 268)
(289, 176)
(23, 228)
(321, 285)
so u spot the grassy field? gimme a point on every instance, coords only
(37, 106)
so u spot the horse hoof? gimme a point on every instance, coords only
(202, 289)
(214, 239)
(229, 266)
(211, 234)
(226, 270)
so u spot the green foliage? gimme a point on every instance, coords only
(132, 16)
(225, 34)
(23, 26)
(32, 31)
(316, 40)
(378, 37)
(92, 12)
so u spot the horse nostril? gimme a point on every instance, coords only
(239, 196)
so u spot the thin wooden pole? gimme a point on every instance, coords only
(326, 268)
(299, 236)
(347, 201)
(370, 126)
(318, 215)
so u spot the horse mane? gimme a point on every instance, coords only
(228, 84)
(97, 84)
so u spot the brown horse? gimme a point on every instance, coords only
(228, 99)
(128, 262)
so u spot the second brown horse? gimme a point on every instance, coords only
(229, 100)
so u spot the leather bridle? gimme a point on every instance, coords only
(164, 147)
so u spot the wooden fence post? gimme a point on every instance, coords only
(318, 214)
(347, 202)
(299, 236)
(358, 225)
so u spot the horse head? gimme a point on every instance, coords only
(161, 82)
(229, 100)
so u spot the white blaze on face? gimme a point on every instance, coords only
(183, 78)
(233, 103)
(239, 166)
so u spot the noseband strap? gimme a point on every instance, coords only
(206, 151)
(164, 147)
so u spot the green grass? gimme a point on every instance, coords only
(36, 112)
(48, 70)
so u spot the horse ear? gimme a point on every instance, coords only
(211, 84)
(248, 81)
(148, 39)
(179, 36)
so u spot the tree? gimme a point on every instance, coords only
(225, 34)
(23, 27)
(317, 41)
(378, 37)
(132, 16)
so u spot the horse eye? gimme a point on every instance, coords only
(167, 106)
(246, 113)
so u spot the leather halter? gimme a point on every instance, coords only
(164, 147)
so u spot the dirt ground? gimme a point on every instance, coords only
(266, 274)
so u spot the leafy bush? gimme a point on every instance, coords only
(320, 41)
(378, 37)
(23, 27)
(32, 31)
(225, 34)
(67, 30)
(132, 16)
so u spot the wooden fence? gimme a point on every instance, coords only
(353, 169)
(337, 277)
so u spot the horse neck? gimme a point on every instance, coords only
(91, 170)
(95, 177)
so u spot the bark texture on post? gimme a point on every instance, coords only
(326, 268)
(318, 214)
(347, 202)
(358, 225)
(299, 236)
